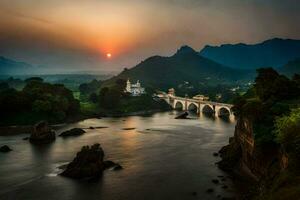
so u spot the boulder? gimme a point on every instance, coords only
(42, 133)
(5, 149)
(72, 132)
(182, 115)
(88, 163)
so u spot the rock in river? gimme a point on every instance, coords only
(72, 132)
(88, 163)
(182, 115)
(5, 149)
(42, 133)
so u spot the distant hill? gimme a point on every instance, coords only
(185, 67)
(11, 67)
(271, 53)
(291, 68)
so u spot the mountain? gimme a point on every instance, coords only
(291, 68)
(271, 53)
(186, 66)
(11, 67)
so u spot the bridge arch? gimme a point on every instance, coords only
(207, 109)
(178, 105)
(192, 107)
(223, 111)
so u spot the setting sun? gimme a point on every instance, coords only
(108, 55)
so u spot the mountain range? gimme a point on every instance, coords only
(185, 66)
(213, 66)
(270, 53)
(226, 64)
(12, 67)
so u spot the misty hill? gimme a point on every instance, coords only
(11, 67)
(291, 68)
(271, 53)
(185, 67)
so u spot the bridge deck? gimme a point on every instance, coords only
(202, 102)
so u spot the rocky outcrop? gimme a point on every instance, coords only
(5, 149)
(72, 132)
(247, 161)
(256, 161)
(182, 115)
(88, 163)
(42, 133)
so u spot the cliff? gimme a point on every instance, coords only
(260, 167)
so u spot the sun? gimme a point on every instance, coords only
(108, 55)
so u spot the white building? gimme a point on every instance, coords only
(134, 89)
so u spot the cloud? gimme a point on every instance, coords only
(74, 34)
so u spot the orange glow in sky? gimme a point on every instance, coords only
(108, 55)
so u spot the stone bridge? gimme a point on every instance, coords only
(188, 104)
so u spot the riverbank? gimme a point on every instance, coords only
(27, 129)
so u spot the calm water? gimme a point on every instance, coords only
(170, 161)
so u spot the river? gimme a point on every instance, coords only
(163, 158)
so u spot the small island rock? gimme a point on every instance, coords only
(88, 163)
(42, 133)
(72, 132)
(5, 149)
(182, 115)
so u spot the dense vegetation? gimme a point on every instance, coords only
(88, 91)
(273, 95)
(288, 135)
(285, 185)
(37, 100)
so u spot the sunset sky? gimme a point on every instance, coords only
(78, 35)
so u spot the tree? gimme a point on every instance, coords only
(4, 86)
(93, 98)
(270, 85)
(287, 129)
(109, 97)
(296, 79)
(34, 79)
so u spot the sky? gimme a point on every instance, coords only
(76, 35)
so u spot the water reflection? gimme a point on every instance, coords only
(163, 158)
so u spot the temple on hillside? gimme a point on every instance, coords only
(134, 89)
